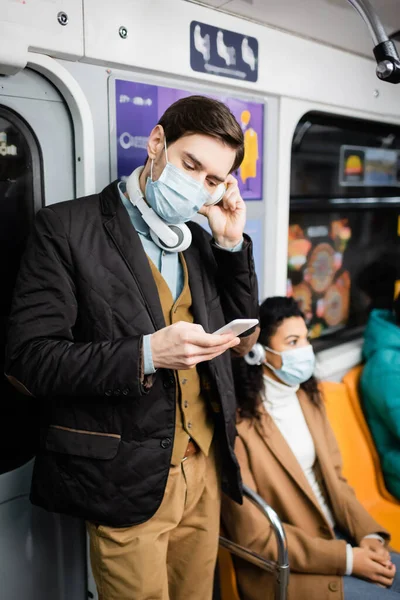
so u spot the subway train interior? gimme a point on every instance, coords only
(314, 86)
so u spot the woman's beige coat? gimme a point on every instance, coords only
(317, 559)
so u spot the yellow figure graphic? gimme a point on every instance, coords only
(353, 165)
(248, 167)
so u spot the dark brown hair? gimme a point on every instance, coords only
(248, 378)
(198, 114)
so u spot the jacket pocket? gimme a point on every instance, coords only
(78, 442)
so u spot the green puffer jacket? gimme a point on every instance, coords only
(380, 387)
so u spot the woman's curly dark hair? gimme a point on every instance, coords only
(248, 379)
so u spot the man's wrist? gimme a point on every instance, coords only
(148, 364)
(228, 244)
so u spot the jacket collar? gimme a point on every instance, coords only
(194, 261)
(275, 441)
(109, 199)
(118, 226)
(134, 213)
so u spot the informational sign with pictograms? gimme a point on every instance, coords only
(139, 106)
(222, 52)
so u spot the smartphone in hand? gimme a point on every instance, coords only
(237, 326)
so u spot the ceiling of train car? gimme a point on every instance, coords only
(334, 22)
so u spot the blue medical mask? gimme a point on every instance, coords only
(175, 196)
(297, 365)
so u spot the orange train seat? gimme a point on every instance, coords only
(227, 576)
(352, 383)
(360, 460)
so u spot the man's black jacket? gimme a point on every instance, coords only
(84, 298)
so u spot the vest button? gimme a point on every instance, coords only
(166, 443)
(108, 392)
(333, 586)
(186, 404)
(189, 425)
(183, 381)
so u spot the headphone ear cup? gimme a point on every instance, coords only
(217, 195)
(184, 238)
(256, 356)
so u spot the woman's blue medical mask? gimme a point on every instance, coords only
(175, 196)
(297, 365)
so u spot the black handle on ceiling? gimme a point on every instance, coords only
(387, 58)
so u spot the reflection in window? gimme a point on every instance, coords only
(344, 250)
(19, 193)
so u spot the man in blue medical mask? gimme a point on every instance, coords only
(111, 329)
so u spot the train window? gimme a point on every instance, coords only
(344, 250)
(20, 196)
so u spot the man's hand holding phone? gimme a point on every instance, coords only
(184, 345)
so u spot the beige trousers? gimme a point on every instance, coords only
(171, 556)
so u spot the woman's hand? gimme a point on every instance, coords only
(377, 546)
(367, 564)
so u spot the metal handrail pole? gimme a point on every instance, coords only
(282, 574)
(368, 14)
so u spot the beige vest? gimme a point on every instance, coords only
(193, 416)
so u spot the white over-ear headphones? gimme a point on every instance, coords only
(217, 195)
(256, 356)
(173, 238)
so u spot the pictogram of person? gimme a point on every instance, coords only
(248, 168)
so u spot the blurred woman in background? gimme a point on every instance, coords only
(288, 454)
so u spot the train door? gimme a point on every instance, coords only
(42, 555)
